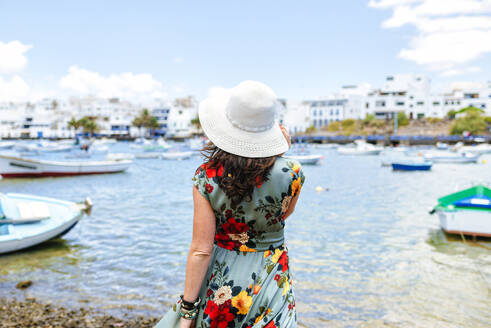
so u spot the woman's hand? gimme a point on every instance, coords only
(187, 323)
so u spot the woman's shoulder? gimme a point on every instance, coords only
(288, 169)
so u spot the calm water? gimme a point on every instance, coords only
(364, 253)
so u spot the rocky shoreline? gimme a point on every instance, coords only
(15, 313)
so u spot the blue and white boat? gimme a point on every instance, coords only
(412, 166)
(27, 220)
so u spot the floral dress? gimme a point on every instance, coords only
(248, 283)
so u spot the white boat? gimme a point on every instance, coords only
(305, 159)
(477, 149)
(196, 144)
(6, 145)
(179, 155)
(14, 167)
(27, 220)
(119, 156)
(451, 157)
(159, 145)
(360, 147)
(148, 155)
(466, 212)
(442, 146)
(52, 147)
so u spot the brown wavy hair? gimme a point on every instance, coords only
(241, 174)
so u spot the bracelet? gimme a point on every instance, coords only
(190, 305)
(188, 315)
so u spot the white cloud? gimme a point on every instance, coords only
(124, 85)
(13, 89)
(451, 34)
(12, 57)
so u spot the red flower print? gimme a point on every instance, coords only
(211, 173)
(220, 171)
(224, 241)
(270, 325)
(234, 227)
(268, 215)
(228, 214)
(277, 277)
(209, 292)
(259, 182)
(283, 260)
(220, 315)
(209, 188)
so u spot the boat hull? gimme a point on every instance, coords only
(306, 159)
(176, 155)
(349, 151)
(65, 216)
(466, 222)
(16, 167)
(411, 167)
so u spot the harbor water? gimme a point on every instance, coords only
(364, 251)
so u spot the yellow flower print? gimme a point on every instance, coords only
(286, 287)
(296, 186)
(296, 168)
(276, 255)
(242, 302)
(244, 248)
(258, 319)
(267, 253)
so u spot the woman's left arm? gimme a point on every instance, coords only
(201, 248)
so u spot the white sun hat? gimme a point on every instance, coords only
(242, 120)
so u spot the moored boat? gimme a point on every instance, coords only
(411, 165)
(451, 157)
(27, 220)
(305, 159)
(360, 147)
(176, 155)
(466, 212)
(17, 167)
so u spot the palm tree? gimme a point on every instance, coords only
(197, 124)
(145, 120)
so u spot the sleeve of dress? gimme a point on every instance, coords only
(298, 178)
(201, 182)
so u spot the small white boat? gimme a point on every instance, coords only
(6, 145)
(196, 144)
(27, 220)
(360, 147)
(119, 156)
(305, 159)
(451, 157)
(148, 155)
(441, 146)
(176, 155)
(16, 167)
(476, 149)
(466, 212)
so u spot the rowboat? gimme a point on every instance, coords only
(305, 159)
(360, 148)
(466, 212)
(27, 220)
(476, 149)
(176, 155)
(451, 157)
(119, 156)
(16, 167)
(147, 155)
(409, 165)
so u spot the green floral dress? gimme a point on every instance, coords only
(248, 283)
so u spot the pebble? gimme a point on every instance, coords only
(32, 313)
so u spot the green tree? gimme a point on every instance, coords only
(451, 114)
(145, 120)
(311, 129)
(334, 127)
(54, 104)
(74, 124)
(473, 122)
(89, 125)
(470, 109)
(402, 119)
(368, 118)
(196, 123)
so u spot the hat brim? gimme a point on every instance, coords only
(236, 141)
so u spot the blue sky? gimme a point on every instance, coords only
(302, 49)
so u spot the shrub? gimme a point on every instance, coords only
(451, 114)
(369, 118)
(348, 123)
(334, 127)
(402, 119)
(487, 119)
(473, 122)
(434, 120)
(311, 129)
